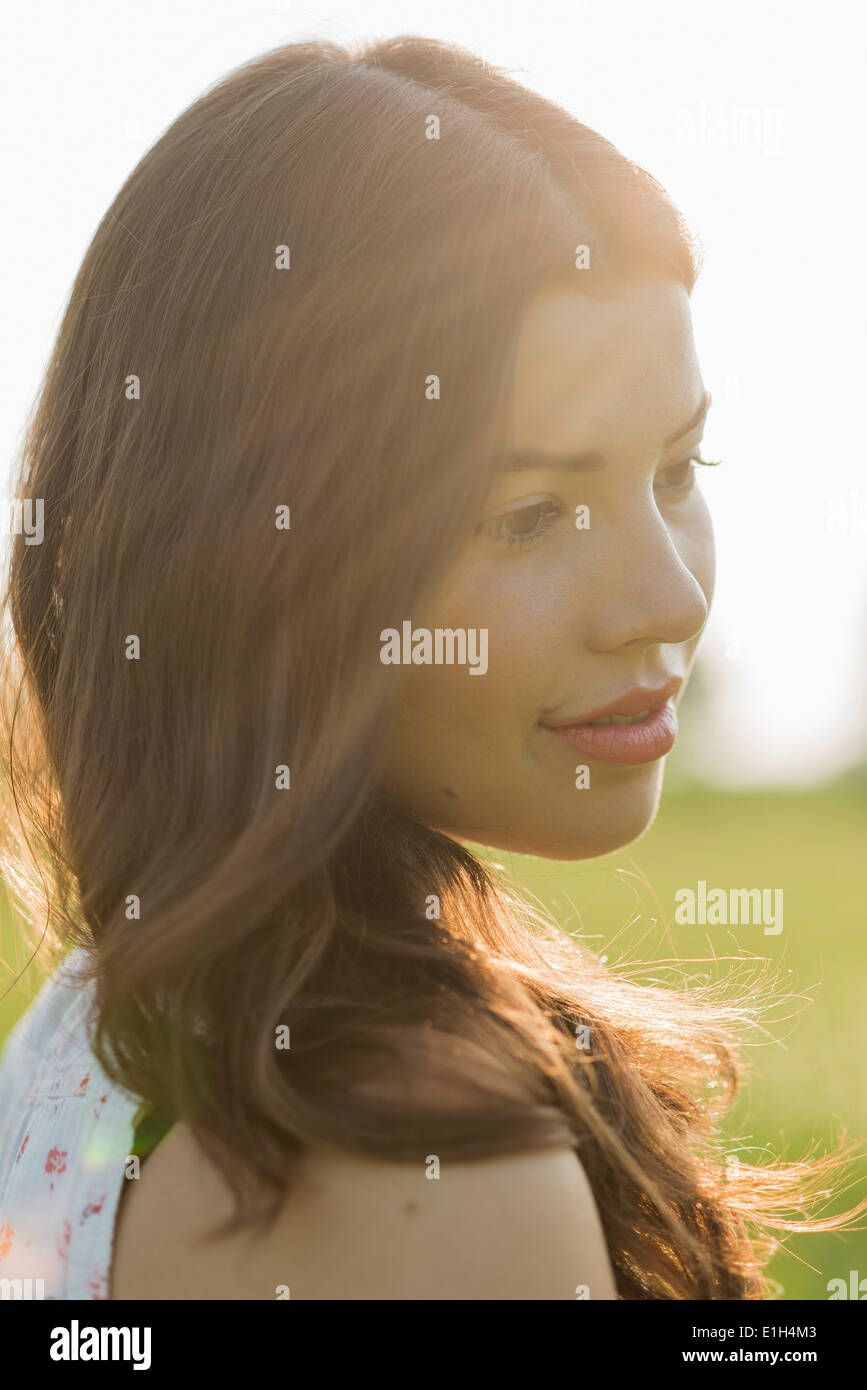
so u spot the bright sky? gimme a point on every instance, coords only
(750, 113)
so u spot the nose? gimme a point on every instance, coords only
(643, 590)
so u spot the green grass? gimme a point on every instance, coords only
(809, 1081)
(812, 1081)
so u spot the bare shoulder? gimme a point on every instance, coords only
(522, 1226)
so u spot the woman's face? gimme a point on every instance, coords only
(606, 413)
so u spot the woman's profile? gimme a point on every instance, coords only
(368, 452)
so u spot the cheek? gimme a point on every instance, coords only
(456, 721)
(527, 605)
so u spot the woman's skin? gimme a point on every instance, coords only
(520, 1226)
(575, 619)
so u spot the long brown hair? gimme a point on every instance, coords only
(251, 331)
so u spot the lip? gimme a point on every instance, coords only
(627, 744)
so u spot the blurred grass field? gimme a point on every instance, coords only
(806, 1087)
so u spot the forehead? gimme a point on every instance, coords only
(604, 372)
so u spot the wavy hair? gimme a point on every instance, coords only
(196, 388)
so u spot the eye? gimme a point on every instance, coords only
(523, 525)
(680, 477)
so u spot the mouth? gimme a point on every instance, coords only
(639, 727)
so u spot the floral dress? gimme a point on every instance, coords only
(66, 1137)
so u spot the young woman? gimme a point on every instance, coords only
(368, 458)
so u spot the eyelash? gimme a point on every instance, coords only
(554, 510)
(547, 508)
(690, 463)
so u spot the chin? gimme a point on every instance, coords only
(563, 843)
(617, 817)
(593, 845)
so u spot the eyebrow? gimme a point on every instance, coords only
(520, 460)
